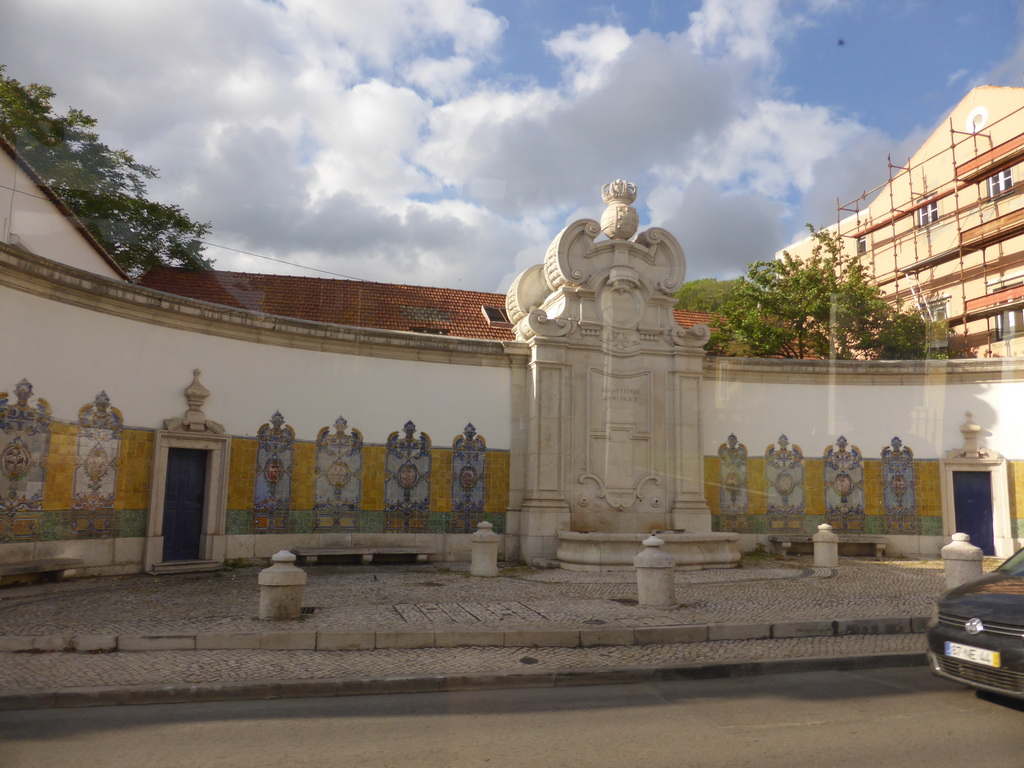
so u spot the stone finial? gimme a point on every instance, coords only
(620, 220)
(195, 396)
(194, 420)
(970, 431)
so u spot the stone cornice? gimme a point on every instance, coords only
(51, 280)
(886, 372)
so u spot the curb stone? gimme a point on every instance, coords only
(541, 638)
(105, 696)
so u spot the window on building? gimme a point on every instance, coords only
(1000, 182)
(862, 245)
(496, 315)
(936, 317)
(928, 213)
(1010, 324)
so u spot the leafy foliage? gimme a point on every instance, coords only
(104, 187)
(820, 307)
(706, 294)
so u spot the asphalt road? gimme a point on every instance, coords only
(883, 717)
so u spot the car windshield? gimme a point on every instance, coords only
(1014, 566)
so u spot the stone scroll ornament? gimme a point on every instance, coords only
(407, 468)
(273, 490)
(338, 478)
(24, 447)
(618, 292)
(97, 462)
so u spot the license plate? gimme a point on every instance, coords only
(970, 653)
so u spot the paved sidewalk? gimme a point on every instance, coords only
(390, 627)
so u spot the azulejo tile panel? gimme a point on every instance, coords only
(274, 460)
(338, 478)
(899, 491)
(407, 468)
(784, 486)
(843, 476)
(733, 493)
(97, 463)
(469, 472)
(24, 446)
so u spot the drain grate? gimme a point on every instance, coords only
(307, 610)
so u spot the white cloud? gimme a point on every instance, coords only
(439, 78)
(587, 52)
(750, 30)
(773, 149)
(356, 137)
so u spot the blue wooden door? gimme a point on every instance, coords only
(972, 502)
(183, 503)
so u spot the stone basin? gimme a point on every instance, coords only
(594, 551)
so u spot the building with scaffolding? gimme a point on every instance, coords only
(945, 232)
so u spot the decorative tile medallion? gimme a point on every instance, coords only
(24, 445)
(784, 486)
(97, 456)
(337, 478)
(843, 472)
(732, 487)
(407, 467)
(273, 491)
(899, 493)
(469, 464)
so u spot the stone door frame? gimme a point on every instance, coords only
(1002, 527)
(212, 544)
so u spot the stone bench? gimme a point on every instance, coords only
(799, 544)
(27, 571)
(310, 555)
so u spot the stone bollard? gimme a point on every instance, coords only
(962, 560)
(826, 547)
(655, 575)
(281, 588)
(484, 551)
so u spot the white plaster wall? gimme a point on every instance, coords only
(69, 354)
(926, 417)
(40, 226)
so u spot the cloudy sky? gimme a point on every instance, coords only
(445, 142)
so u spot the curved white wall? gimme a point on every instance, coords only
(924, 410)
(70, 353)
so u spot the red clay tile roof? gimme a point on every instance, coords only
(350, 302)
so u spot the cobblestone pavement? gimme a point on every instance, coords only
(431, 597)
(423, 597)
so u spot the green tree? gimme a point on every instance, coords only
(820, 307)
(705, 295)
(104, 187)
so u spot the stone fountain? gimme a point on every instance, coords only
(612, 407)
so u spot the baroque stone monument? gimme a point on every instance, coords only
(613, 429)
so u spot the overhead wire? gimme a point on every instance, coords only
(281, 261)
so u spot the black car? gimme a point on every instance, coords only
(977, 635)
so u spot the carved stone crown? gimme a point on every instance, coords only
(620, 220)
(619, 191)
